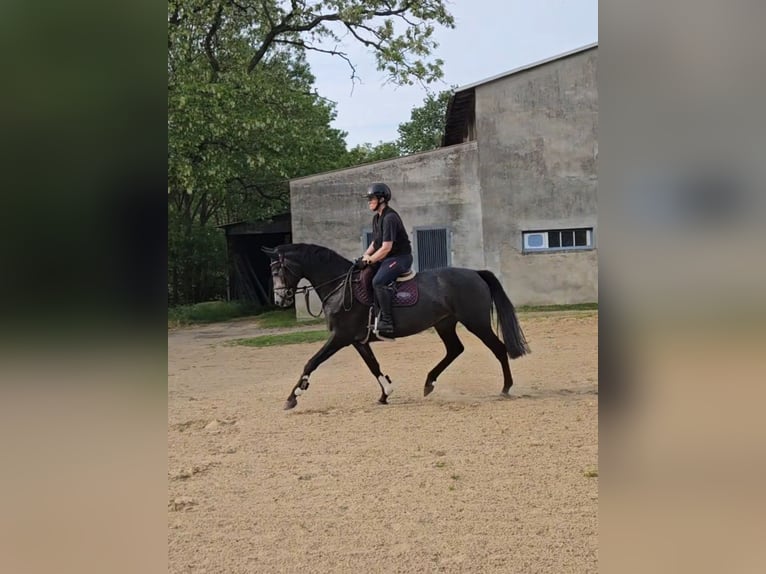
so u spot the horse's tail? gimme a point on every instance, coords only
(513, 337)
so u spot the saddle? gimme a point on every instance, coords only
(405, 290)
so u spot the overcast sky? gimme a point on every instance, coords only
(490, 37)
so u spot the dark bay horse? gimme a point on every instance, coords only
(446, 296)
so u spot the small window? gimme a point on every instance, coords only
(558, 240)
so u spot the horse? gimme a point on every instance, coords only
(445, 296)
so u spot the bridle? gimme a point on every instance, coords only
(290, 292)
(276, 267)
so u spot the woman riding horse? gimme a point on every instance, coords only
(390, 250)
(446, 296)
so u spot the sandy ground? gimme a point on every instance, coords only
(463, 480)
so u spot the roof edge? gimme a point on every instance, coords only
(527, 67)
(441, 149)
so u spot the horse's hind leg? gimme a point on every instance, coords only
(446, 330)
(483, 330)
(386, 387)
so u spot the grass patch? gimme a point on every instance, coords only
(282, 339)
(544, 308)
(593, 473)
(210, 312)
(284, 318)
(440, 464)
(218, 311)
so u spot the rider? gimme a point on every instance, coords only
(390, 247)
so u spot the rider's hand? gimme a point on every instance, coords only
(367, 259)
(360, 263)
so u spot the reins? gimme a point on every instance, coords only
(346, 285)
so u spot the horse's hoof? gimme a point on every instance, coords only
(383, 400)
(291, 403)
(427, 390)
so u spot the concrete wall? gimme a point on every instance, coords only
(439, 188)
(532, 168)
(537, 136)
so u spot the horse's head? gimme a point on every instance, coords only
(285, 275)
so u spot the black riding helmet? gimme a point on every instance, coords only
(380, 191)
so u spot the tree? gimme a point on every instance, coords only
(399, 32)
(425, 129)
(365, 153)
(233, 139)
(243, 115)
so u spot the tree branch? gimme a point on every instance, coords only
(175, 19)
(254, 186)
(410, 22)
(266, 13)
(239, 6)
(201, 204)
(364, 41)
(283, 28)
(209, 37)
(305, 46)
(211, 210)
(405, 7)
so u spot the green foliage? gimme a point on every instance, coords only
(398, 32)
(284, 318)
(209, 312)
(196, 260)
(243, 115)
(547, 308)
(366, 153)
(423, 132)
(425, 129)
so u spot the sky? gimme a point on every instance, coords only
(490, 37)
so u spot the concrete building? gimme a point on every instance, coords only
(513, 189)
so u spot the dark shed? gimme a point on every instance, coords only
(249, 277)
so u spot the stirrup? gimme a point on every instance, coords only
(378, 335)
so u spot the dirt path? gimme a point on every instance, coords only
(460, 481)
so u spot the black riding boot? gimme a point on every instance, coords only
(385, 322)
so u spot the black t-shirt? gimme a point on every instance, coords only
(389, 227)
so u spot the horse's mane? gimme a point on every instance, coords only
(310, 254)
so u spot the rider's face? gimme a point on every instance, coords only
(373, 203)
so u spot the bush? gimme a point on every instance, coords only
(211, 312)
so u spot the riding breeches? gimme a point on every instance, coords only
(390, 268)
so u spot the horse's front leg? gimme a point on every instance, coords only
(331, 346)
(386, 387)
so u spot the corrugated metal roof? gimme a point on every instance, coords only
(459, 116)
